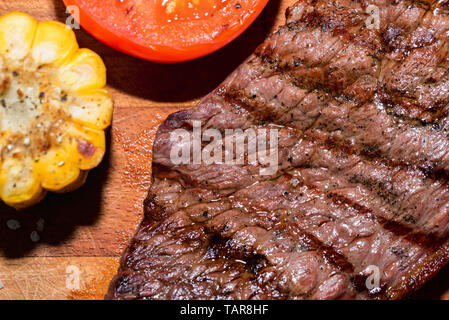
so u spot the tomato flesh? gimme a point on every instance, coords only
(185, 10)
(167, 30)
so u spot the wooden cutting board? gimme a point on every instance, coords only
(82, 235)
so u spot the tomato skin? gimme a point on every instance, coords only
(160, 53)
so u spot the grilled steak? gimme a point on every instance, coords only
(363, 152)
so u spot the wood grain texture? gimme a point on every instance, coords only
(90, 228)
(56, 278)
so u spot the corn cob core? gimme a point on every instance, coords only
(53, 109)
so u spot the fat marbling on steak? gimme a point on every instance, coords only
(362, 183)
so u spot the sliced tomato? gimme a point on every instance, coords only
(167, 30)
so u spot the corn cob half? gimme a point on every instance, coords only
(53, 109)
